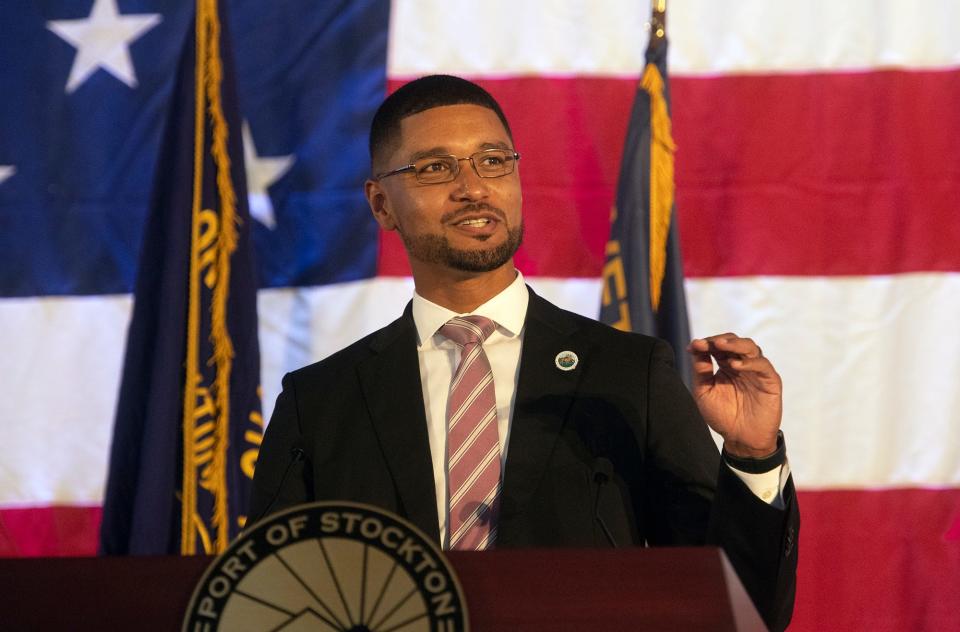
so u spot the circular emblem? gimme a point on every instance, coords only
(566, 360)
(330, 566)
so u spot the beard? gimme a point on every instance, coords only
(437, 249)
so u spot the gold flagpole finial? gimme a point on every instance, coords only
(658, 19)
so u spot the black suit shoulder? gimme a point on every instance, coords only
(322, 413)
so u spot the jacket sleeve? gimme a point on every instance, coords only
(695, 498)
(761, 543)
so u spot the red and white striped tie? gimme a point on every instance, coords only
(473, 443)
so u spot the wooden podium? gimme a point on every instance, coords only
(554, 590)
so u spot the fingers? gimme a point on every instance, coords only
(726, 346)
(730, 351)
(732, 344)
(759, 366)
(700, 359)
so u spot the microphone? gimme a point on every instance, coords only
(602, 474)
(297, 455)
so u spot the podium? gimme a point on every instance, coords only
(552, 590)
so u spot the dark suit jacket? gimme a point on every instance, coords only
(622, 414)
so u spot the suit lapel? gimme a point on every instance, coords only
(543, 399)
(391, 386)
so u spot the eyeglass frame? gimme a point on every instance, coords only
(412, 166)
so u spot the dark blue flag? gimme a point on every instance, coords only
(188, 423)
(643, 272)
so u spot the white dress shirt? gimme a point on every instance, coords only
(439, 357)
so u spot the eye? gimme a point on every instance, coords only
(432, 166)
(493, 160)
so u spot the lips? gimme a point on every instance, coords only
(476, 222)
(474, 214)
(479, 221)
(478, 227)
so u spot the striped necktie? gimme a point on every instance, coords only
(473, 443)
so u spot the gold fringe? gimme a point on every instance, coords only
(661, 180)
(188, 491)
(201, 531)
(223, 352)
(209, 73)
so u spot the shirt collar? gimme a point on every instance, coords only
(508, 309)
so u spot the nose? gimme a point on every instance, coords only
(469, 185)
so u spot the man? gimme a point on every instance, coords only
(489, 417)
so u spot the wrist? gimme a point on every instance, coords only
(744, 451)
(762, 462)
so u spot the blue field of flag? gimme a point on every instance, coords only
(81, 121)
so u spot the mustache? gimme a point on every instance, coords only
(463, 211)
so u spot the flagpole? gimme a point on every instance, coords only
(658, 22)
(642, 274)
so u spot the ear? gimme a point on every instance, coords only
(379, 205)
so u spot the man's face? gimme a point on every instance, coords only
(470, 224)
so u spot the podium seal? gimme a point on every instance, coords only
(330, 566)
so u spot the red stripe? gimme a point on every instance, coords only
(828, 174)
(815, 174)
(879, 560)
(49, 531)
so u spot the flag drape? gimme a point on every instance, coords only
(643, 273)
(188, 423)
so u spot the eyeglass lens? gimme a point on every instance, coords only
(490, 163)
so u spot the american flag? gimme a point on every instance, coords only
(818, 199)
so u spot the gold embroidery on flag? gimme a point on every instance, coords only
(614, 275)
(253, 437)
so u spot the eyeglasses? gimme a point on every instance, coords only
(489, 163)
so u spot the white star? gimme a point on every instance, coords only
(102, 40)
(262, 172)
(6, 171)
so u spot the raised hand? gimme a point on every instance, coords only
(743, 400)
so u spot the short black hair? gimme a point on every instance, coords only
(424, 94)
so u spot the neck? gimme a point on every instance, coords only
(459, 291)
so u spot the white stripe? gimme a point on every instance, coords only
(485, 504)
(465, 363)
(471, 398)
(758, 36)
(464, 529)
(60, 362)
(489, 418)
(487, 542)
(474, 475)
(529, 37)
(61, 358)
(607, 37)
(870, 367)
(299, 326)
(474, 330)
